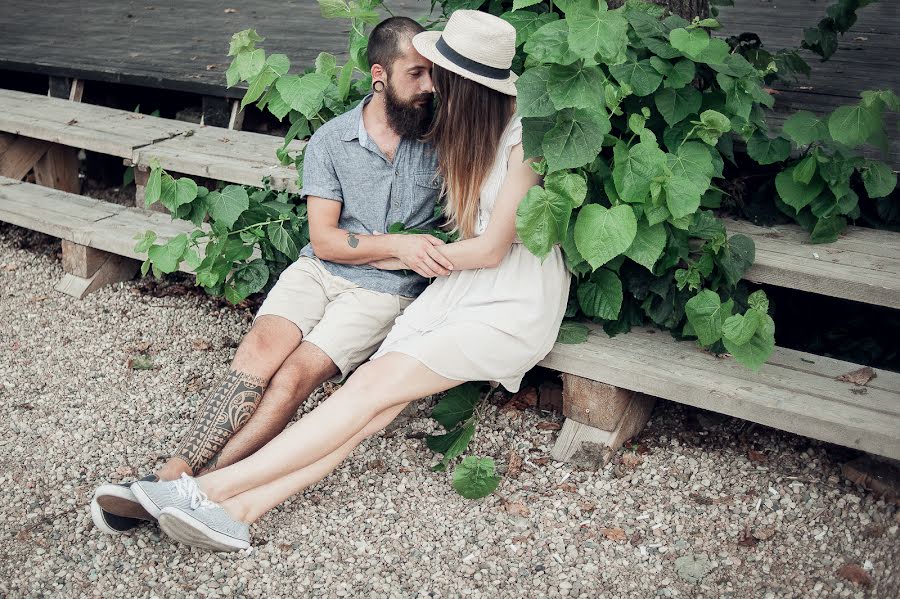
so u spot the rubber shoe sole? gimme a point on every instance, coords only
(184, 528)
(120, 501)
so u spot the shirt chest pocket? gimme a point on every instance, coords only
(427, 180)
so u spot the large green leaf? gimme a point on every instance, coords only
(853, 125)
(533, 98)
(167, 257)
(533, 132)
(689, 41)
(634, 169)
(755, 352)
(602, 233)
(706, 313)
(739, 328)
(542, 219)
(576, 138)
(675, 104)
(550, 44)
(570, 185)
(804, 128)
(682, 73)
(691, 173)
(474, 477)
(154, 187)
(226, 206)
(766, 150)
(600, 296)
(595, 30)
(282, 240)
(304, 94)
(648, 244)
(251, 277)
(643, 78)
(527, 22)
(572, 333)
(457, 405)
(736, 257)
(575, 86)
(794, 193)
(878, 178)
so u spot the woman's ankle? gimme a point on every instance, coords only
(235, 508)
(173, 469)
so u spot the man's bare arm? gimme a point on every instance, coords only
(419, 252)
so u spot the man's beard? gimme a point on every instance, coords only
(408, 119)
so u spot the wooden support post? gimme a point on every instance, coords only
(58, 168)
(599, 418)
(18, 155)
(236, 122)
(141, 174)
(87, 269)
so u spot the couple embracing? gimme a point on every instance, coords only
(491, 312)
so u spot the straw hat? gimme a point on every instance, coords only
(475, 45)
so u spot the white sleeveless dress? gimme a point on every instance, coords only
(487, 324)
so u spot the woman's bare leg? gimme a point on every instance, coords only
(392, 380)
(250, 505)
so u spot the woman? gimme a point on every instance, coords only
(493, 318)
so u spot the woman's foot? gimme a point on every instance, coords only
(184, 493)
(208, 526)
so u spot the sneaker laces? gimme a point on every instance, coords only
(187, 487)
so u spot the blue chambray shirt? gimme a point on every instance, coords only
(343, 164)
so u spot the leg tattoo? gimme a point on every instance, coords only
(226, 410)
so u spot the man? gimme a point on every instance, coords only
(329, 311)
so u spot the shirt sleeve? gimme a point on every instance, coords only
(319, 176)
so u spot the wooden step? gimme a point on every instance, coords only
(84, 221)
(233, 156)
(863, 265)
(795, 391)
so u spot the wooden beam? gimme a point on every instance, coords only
(590, 447)
(81, 260)
(594, 403)
(20, 155)
(114, 269)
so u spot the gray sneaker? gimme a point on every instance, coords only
(208, 526)
(154, 496)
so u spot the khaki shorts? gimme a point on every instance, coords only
(339, 317)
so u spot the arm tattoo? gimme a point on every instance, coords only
(223, 414)
(352, 240)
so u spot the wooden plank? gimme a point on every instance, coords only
(84, 221)
(681, 372)
(863, 265)
(98, 128)
(813, 383)
(218, 153)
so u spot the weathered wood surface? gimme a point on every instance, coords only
(794, 391)
(170, 45)
(98, 128)
(218, 153)
(863, 265)
(84, 221)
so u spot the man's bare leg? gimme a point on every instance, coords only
(300, 374)
(231, 404)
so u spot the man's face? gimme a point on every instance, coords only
(409, 94)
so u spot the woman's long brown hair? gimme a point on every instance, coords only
(466, 134)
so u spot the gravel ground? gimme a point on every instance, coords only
(701, 506)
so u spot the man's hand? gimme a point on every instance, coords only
(421, 253)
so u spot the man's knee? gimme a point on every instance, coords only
(270, 337)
